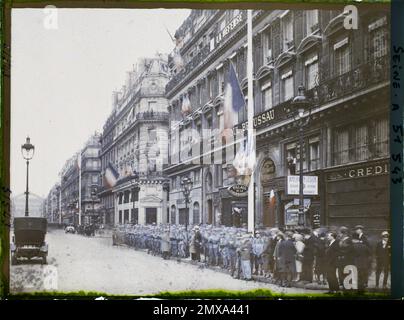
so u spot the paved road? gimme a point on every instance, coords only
(93, 264)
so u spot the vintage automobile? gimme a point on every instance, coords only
(118, 236)
(29, 239)
(70, 229)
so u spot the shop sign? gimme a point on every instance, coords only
(238, 190)
(310, 185)
(230, 27)
(261, 120)
(360, 172)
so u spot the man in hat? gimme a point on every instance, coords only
(345, 256)
(166, 244)
(383, 257)
(331, 257)
(257, 250)
(245, 257)
(310, 251)
(362, 254)
(360, 236)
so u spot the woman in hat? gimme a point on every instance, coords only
(299, 245)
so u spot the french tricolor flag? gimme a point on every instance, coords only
(111, 175)
(233, 99)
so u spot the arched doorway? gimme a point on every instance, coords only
(195, 214)
(268, 193)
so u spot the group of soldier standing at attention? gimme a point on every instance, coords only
(284, 257)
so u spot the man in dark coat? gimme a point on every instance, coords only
(310, 250)
(362, 254)
(287, 256)
(383, 258)
(331, 257)
(345, 257)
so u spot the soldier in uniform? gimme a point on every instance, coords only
(165, 244)
(245, 252)
(257, 250)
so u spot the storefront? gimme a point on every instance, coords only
(358, 194)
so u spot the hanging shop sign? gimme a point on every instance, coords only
(310, 185)
(238, 190)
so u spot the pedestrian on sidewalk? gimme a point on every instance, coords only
(257, 250)
(245, 258)
(166, 244)
(300, 246)
(331, 257)
(383, 256)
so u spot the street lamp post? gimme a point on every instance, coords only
(27, 150)
(93, 193)
(300, 105)
(186, 184)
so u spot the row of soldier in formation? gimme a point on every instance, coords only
(283, 256)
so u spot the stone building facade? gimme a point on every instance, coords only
(345, 73)
(135, 147)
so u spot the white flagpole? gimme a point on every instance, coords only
(79, 160)
(250, 115)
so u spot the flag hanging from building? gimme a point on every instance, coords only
(111, 175)
(233, 99)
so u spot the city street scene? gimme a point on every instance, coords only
(173, 150)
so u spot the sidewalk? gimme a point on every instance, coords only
(302, 285)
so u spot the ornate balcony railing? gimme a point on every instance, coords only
(152, 115)
(370, 73)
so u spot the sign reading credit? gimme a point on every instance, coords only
(310, 185)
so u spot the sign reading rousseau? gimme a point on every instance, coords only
(310, 185)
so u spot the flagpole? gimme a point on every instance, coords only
(79, 160)
(250, 115)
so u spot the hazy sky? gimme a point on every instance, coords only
(62, 79)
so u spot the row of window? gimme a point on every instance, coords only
(341, 53)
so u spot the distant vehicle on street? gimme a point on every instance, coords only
(118, 236)
(70, 229)
(29, 239)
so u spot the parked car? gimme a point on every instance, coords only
(29, 239)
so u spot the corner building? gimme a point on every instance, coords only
(135, 146)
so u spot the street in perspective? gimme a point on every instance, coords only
(244, 150)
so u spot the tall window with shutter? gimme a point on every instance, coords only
(311, 21)
(378, 38)
(287, 31)
(342, 57)
(311, 70)
(287, 85)
(361, 143)
(266, 91)
(341, 146)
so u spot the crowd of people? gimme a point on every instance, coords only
(325, 256)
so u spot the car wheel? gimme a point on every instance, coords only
(14, 260)
(44, 260)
